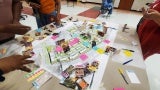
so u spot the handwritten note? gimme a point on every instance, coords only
(83, 57)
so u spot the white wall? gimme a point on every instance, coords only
(138, 4)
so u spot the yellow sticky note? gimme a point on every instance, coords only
(128, 53)
(93, 20)
(100, 51)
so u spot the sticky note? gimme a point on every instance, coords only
(59, 49)
(100, 51)
(106, 41)
(92, 20)
(74, 35)
(54, 37)
(132, 76)
(74, 41)
(87, 44)
(39, 30)
(118, 88)
(83, 57)
(128, 53)
(95, 48)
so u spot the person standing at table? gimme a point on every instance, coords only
(149, 30)
(9, 26)
(46, 11)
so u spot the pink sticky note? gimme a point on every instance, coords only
(59, 49)
(106, 41)
(83, 57)
(54, 37)
(74, 41)
(118, 88)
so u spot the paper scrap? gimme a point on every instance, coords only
(133, 77)
(83, 57)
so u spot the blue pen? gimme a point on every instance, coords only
(127, 61)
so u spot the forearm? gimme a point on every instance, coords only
(16, 8)
(1, 28)
(58, 6)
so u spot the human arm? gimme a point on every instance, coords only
(151, 14)
(57, 8)
(14, 62)
(16, 10)
(14, 28)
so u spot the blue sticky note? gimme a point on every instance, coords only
(74, 35)
(39, 30)
(95, 48)
(87, 44)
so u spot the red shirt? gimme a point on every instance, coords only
(149, 34)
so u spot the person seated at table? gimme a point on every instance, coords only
(149, 30)
(46, 11)
(9, 26)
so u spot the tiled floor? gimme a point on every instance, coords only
(122, 17)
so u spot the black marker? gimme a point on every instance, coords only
(127, 61)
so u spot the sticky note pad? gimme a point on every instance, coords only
(128, 53)
(83, 57)
(100, 51)
(106, 41)
(118, 88)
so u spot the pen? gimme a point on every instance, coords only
(128, 50)
(127, 61)
(92, 80)
(121, 72)
(49, 56)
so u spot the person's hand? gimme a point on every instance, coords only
(149, 14)
(58, 21)
(14, 62)
(16, 29)
(34, 5)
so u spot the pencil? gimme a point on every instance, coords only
(121, 72)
